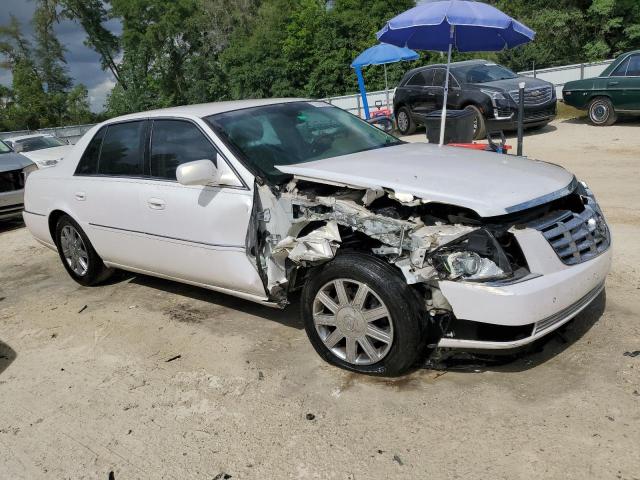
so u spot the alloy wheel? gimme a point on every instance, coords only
(74, 250)
(403, 121)
(353, 322)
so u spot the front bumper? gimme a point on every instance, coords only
(542, 302)
(11, 204)
(505, 116)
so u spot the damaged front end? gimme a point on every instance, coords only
(305, 224)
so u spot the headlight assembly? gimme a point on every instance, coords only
(475, 257)
(493, 95)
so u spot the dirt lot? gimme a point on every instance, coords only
(87, 388)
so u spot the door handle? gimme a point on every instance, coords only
(81, 196)
(613, 83)
(156, 203)
(431, 93)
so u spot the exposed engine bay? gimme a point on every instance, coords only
(303, 224)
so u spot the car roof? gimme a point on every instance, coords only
(25, 137)
(462, 63)
(205, 109)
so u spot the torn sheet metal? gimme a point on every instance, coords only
(319, 245)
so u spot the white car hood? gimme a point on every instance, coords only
(491, 184)
(53, 153)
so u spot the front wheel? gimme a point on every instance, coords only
(360, 314)
(479, 125)
(78, 255)
(601, 112)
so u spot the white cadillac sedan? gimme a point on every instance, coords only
(396, 247)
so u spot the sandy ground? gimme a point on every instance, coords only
(87, 388)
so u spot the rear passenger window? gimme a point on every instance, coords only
(174, 142)
(88, 164)
(621, 69)
(123, 149)
(417, 80)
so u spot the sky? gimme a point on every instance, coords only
(83, 62)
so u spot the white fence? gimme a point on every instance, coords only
(353, 103)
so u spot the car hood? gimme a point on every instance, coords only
(13, 161)
(53, 153)
(491, 184)
(512, 83)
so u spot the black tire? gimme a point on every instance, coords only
(479, 125)
(406, 125)
(407, 316)
(96, 270)
(601, 112)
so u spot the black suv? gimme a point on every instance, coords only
(488, 89)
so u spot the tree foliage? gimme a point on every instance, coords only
(173, 52)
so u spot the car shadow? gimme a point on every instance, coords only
(9, 225)
(519, 361)
(622, 121)
(7, 356)
(289, 317)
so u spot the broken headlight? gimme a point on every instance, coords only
(476, 256)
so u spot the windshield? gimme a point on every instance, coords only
(482, 73)
(36, 143)
(4, 148)
(296, 132)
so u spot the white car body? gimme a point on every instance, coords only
(205, 235)
(43, 158)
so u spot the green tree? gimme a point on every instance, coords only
(77, 109)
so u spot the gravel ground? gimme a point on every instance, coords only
(145, 378)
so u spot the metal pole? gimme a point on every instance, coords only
(363, 92)
(358, 103)
(386, 85)
(521, 86)
(446, 88)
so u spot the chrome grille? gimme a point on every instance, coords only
(11, 180)
(576, 237)
(533, 96)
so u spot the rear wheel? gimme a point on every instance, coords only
(78, 255)
(406, 125)
(601, 112)
(479, 125)
(360, 314)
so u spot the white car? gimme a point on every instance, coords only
(397, 247)
(43, 149)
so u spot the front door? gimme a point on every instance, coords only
(195, 233)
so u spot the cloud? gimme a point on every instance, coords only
(83, 63)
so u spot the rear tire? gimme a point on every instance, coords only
(360, 315)
(406, 125)
(77, 254)
(479, 124)
(601, 112)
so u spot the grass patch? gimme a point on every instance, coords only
(566, 111)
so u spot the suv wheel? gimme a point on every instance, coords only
(78, 255)
(601, 112)
(360, 314)
(406, 125)
(479, 126)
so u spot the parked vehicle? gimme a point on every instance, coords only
(396, 246)
(615, 91)
(43, 149)
(14, 169)
(488, 89)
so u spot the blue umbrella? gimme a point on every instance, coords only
(380, 54)
(465, 25)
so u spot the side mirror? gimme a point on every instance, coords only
(198, 172)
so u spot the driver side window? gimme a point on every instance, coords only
(174, 142)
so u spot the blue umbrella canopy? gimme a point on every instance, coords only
(383, 53)
(478, 27)
(465, 25)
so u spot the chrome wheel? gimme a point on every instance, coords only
(599, 112)
(403, 121)
(74, 250)
(353, 322)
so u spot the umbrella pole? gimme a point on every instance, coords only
(446, 88)
(386, 85)
(363, 91)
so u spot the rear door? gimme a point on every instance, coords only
(107, 187)
(421, 97)
(631, 85)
